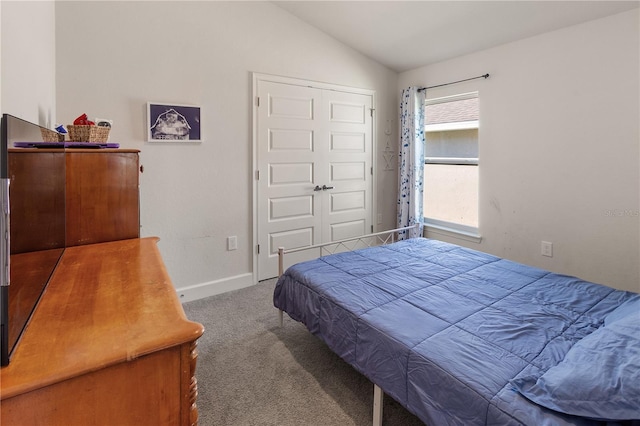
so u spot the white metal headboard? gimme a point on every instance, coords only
(349, 244)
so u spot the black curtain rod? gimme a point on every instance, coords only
(453, 82)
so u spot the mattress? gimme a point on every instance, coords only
(452, 334)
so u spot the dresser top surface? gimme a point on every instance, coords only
(76, 150)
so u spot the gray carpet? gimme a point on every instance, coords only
(250, 371)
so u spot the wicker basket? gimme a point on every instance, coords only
(51, 135)
(88, 133)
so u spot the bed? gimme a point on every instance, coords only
(461, 337)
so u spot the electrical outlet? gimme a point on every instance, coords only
(232, 243)
(379, 218)
(547, 248)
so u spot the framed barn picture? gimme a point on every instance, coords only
(173, 123)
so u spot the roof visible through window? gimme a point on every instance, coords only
(452, 111)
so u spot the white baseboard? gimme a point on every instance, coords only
(200, 291)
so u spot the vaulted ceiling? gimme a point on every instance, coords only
(408, 34)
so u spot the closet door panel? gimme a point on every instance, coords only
(314, 158)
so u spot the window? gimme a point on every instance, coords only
(451, 163)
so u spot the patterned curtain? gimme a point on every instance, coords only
(411, 161)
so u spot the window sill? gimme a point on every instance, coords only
(451, 232)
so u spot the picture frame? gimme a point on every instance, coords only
(173, 123)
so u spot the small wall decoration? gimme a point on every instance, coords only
(388, 154)
(173, 123)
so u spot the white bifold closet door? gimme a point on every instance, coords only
(314, 156)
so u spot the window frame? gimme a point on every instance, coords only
(437, 226)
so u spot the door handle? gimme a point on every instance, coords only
(317, 188)
(325, 187)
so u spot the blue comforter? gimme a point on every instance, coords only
(445, 330)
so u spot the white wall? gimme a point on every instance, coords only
(559, 147)
(113, 57)
(27, 86)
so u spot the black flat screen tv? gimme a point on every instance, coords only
(32, 233)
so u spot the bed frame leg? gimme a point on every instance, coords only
(378, 397)
(280, 317)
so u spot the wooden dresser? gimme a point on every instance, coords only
(97, 188)
(108, 343)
